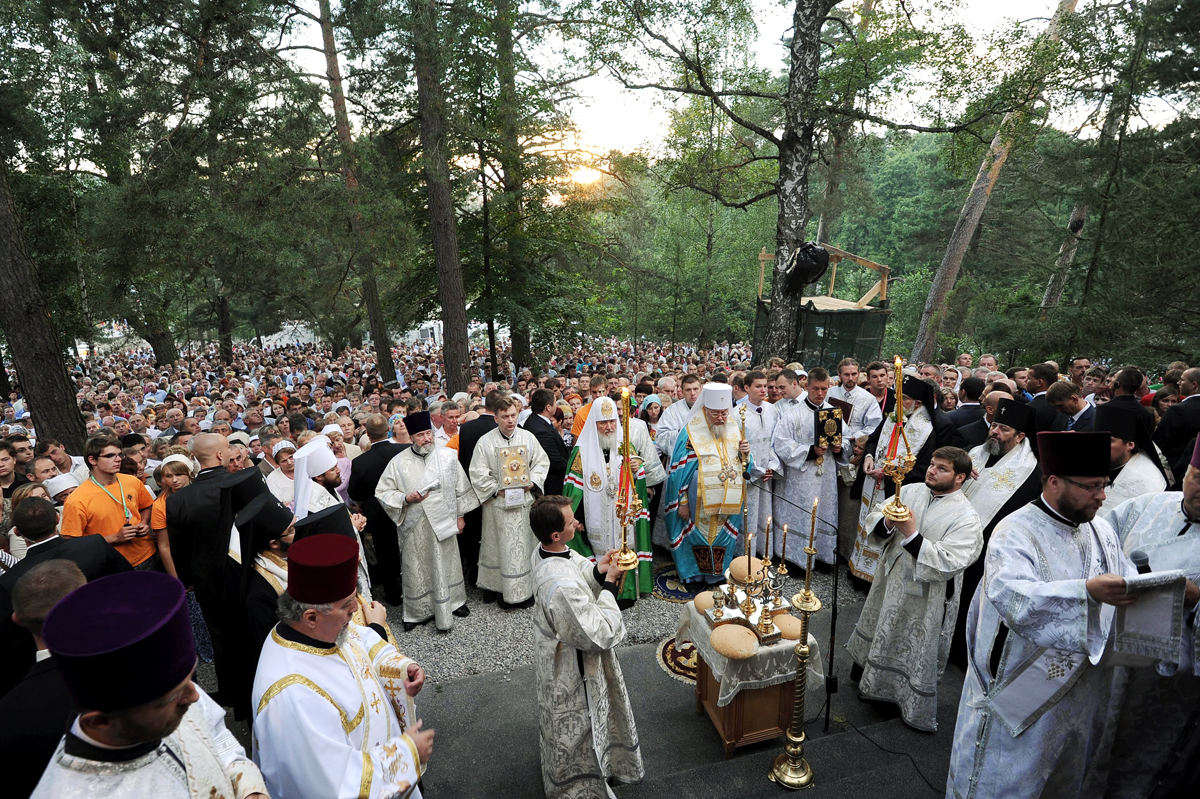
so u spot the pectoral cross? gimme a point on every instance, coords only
(727, 473)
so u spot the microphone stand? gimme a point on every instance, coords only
(831, 682)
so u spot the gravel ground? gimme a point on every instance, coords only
(495, 640)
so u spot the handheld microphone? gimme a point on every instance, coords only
(1141, 560)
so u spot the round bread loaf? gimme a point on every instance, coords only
(734, 641)
(703, 601)
(789, 626)
(738, 569)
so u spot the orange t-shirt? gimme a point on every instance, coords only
(158, 513)
(581, 416)
(91, 511)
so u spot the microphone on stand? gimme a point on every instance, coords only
(1141, 560)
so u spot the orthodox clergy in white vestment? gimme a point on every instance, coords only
(1134, 468)
(316, 461)
(1037, 714)
(586, 732)
(508, 466)
(902, 639)
(809, 470)
(918, 431)
(676, 415)
(123, 645)
(1157, 741)
(426, 493)
(333, 701)
(761, 417)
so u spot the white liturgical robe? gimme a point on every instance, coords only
(585, 721)
(759, 430)
(1037, 718)
(902, 638)
(1156, 735)
(428, 530)
(507, 539)
(216, 765)
(1139, 476)
(803, 479)
(329, 723)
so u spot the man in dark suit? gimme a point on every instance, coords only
(35, 521)
(1067, 399)
(969, 410)
(364, 477)
(35, 714)
(468, 437)
(972, 435)
(542, 405)
(1041, 377)
(877, 384)
(1181, 423)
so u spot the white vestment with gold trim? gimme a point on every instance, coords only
(330, 723)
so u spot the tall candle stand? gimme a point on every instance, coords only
(790, 769)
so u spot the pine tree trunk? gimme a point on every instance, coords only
(795, 158)
(38, 357)
(431, 104)
(512, 196)
(925, 344)
(366, 262)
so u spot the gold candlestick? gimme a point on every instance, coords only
(896, 466)
(629, 505)
(790, 769)
(783, 554)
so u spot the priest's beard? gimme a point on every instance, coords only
(994, 446)
(718, 430)
(342, 636)
(422, 449)
(608, 441)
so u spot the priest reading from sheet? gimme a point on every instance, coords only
(1005, 476)
(902, 638)
(595, 484)
(918, 439)
(123, 645)
(1037, 713)
(1157, 741)
(586, 732)
(426, 493)
(333, 701)
(706, 488)
(508, 466)
(808, 441)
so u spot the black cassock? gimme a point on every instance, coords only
(471, 536)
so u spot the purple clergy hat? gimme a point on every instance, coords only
(123, 640)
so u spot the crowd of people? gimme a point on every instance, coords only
(260, 514)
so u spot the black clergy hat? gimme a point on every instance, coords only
(1071, 454)
(334, 520)
(242, 486)
(1017, 415)
(418, 422)
(1129, 424)
(262, 521)
(920, 390)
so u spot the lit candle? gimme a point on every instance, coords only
(783, 552)
(749, 549)
(891, 449)
(767, 553)
(812, 529)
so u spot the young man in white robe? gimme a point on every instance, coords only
(676, 415)
(138, 722)
(426, 493)
(1157, 740)
(760, 420)
(508, 467)
(1134, 468)
(860, 422)
(902, 639)
(1037, 714)
(809, 471)
(586, 732)
(333, 701)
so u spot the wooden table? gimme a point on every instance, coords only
(754, 715)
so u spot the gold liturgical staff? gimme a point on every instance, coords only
(629, 504)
